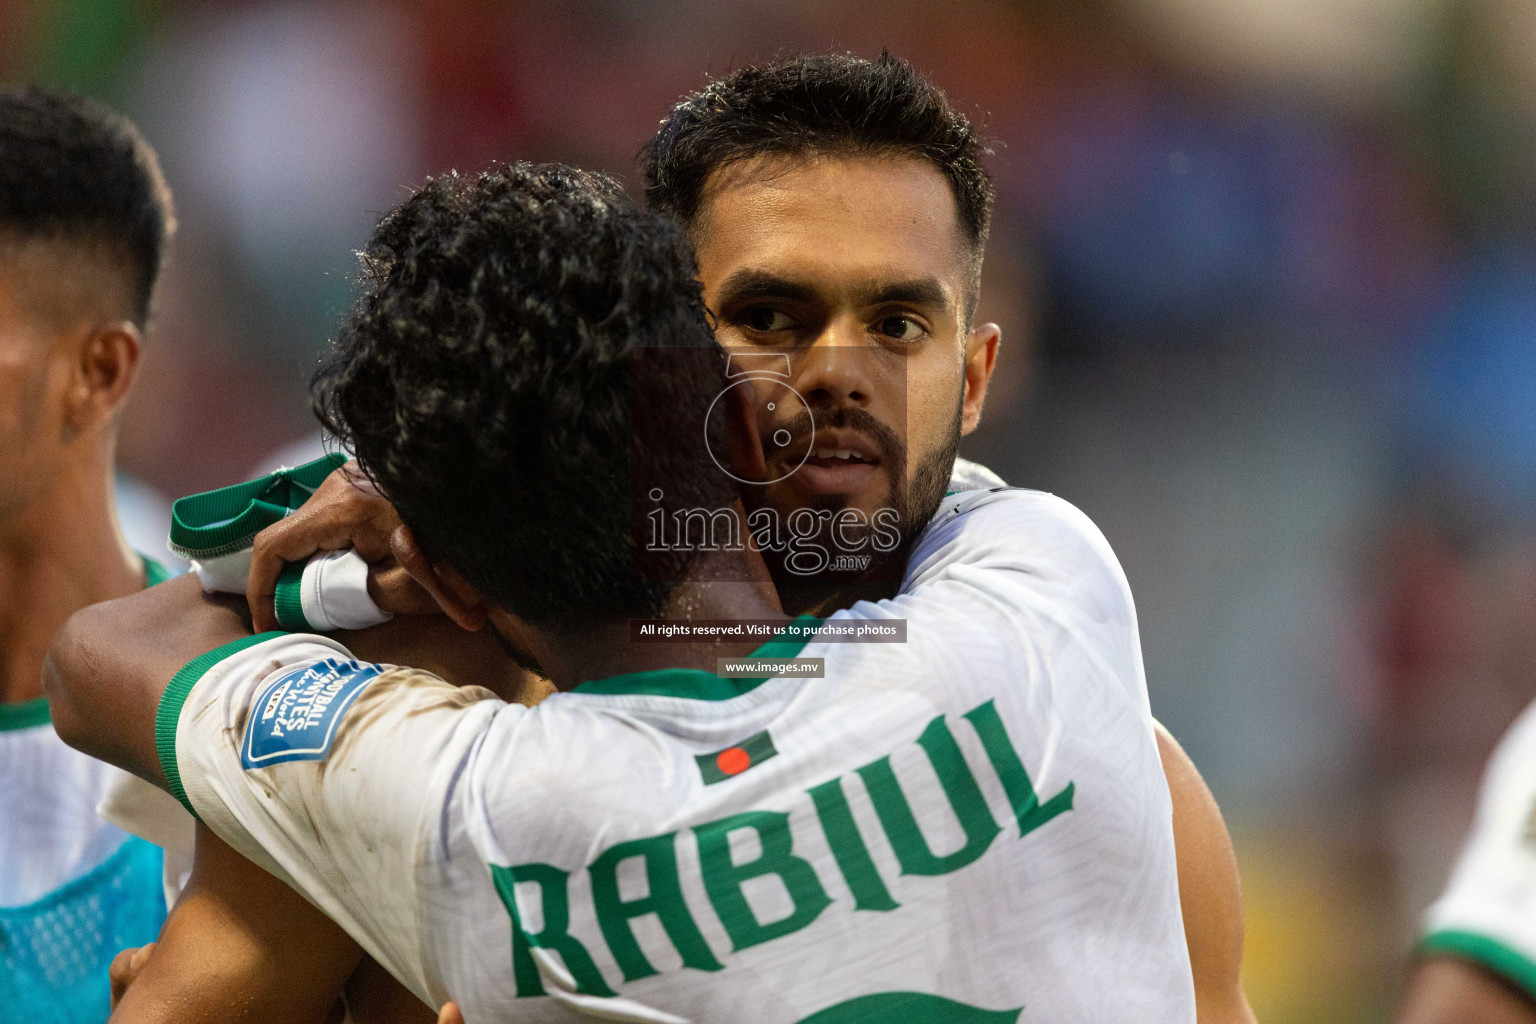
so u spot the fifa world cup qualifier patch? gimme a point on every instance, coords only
(733, 760)
(294, 717)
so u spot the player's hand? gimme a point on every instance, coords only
(450, 1014)
(126, 967)
(344, 512)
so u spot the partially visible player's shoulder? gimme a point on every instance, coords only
(1509, 782)
(1518, 746)
(1484, 916)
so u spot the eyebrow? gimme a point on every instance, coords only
(918, 291)
(748, 284)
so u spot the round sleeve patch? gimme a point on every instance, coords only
(294, 716)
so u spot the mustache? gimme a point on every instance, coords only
(887, 442)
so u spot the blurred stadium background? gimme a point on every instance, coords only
(1267, 276)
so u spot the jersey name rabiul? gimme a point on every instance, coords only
(1488, 912)
(972, 826)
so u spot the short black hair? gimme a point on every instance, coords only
(74, 170)
(812, 105)
(485, 380)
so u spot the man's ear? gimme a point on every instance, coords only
(743, 438)
(980, 358)
(103, 365)
(458, 599)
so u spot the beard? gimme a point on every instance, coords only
(913, 505)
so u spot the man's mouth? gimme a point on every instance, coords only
(839, 461)
(837, 456)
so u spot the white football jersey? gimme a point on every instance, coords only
(49, 832)
(1488, 912)
(74, 889)
(971, 826)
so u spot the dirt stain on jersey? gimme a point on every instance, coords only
(377, 697)
(244, 714)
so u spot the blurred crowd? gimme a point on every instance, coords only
(1266, 272)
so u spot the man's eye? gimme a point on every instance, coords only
(900, 328)
(763, 318)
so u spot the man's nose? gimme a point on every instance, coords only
(837, 367)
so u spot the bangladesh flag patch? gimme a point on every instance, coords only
(732, 761)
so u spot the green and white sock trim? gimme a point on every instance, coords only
(328, 592)
(216, 529)
(213, 524)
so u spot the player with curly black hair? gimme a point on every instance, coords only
(562, 440)
(722, 829)
(85, 218)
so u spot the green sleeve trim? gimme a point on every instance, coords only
(1513, 966)
(288, 600)
(29, 714)
(224, 521)
(168, 715)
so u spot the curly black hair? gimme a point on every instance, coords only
(811, 105)
(75, 170)
(484, 383)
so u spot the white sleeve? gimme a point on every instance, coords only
(330, 773)
(1488, 912)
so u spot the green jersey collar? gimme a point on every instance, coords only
(692, 683)
(27, 715)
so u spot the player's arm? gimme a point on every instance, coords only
(106, 693)
(107, 668)
(324, 770)
(1209, 891)
(110, 664)
(241, 946)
